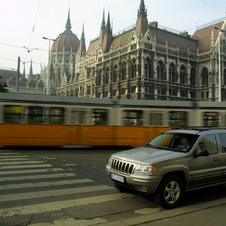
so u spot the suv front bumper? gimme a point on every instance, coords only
(142, 183)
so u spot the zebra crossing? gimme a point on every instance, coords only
(24, 182)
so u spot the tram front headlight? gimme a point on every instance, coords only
(145, 169)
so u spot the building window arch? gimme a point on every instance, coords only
(205, 77)
(147, 68)
(134, 68)
(224, 77)
(192, 76)
(59, 73)
(123, 71)
(172, 73)
(107, 75)
(160, 71)
(183, 73)
(115, 73)
(99, 77)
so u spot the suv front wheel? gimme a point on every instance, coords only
(170, 192)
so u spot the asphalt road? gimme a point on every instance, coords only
(69, 186)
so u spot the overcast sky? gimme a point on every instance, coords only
(25, 22)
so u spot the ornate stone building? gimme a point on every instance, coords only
(145, 61)
(27, 84)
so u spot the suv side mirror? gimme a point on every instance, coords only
(201, 152)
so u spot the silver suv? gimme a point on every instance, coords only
(175, 161)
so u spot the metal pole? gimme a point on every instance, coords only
(219, 72)
(48, 70)
(18, 75)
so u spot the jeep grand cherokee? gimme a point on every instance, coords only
(175, 161)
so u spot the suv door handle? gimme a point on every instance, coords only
(216, 159)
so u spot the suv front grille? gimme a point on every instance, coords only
(122, 166)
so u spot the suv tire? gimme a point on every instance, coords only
(170, 192)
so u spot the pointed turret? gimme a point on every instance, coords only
(142, 21)
(24, 73)
(212, 39)
(68, 24)
(108, 35)
(30, 76)
(103, 28)
(82, 46)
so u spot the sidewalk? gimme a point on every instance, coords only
(209, 213)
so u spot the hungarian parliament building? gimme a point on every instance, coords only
(146, 61)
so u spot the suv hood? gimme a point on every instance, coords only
(149, 155)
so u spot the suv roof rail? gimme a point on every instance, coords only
(199, 128)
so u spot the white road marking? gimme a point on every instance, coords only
(34, 177)
(10, 153)
(13, 159)
(31, 171)
(55, 206)
(51, 193)
(19, 163)
(25, 166)
(44, 184)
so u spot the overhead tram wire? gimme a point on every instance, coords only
(29, 47)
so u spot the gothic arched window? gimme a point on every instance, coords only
(115, 73)
(183, 73)
(134, 69)
(107, 76)
(224, 77)
(172, 73)
(205, 80)
(124, 71)
(192, 76)
(147, 69)
(160, 71)
(99, 78)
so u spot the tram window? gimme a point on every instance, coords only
(99, 117)
(156, 119)
(132, 118)
(12, 114)
(34, 114)
(211, 119)
(178, 118)
(56, 115)
(78, 117)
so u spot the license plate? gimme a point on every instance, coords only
(117, 177)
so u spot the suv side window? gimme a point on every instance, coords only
(222, 137)
(208, 143)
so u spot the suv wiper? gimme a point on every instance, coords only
(149, 145)
(165, 148)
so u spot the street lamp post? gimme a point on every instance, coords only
(219, 60)
(48, 74)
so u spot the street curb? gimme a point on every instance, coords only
(165, 214)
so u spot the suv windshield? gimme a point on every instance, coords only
(174, 141)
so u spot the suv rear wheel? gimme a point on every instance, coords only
(170, 192)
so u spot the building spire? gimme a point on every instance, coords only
(142, 12)
(103, 21)
(68, 24)
(108, 35)
(82, 46)
(142, 21)
(31, 71)
(108, 27)
(103, 28)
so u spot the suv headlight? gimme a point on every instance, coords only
(110, 161)
(144, 169)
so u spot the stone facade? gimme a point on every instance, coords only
(29, 84)
(145, 61)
